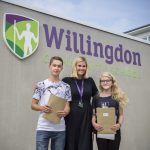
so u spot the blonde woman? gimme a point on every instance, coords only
(110, 96)
(78, 122)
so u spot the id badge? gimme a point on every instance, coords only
(80, 104)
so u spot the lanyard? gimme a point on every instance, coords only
(80, 90)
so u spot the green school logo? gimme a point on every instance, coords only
(21, 34)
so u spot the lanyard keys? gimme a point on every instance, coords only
(80, 104)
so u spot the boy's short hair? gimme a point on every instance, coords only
(55, 58)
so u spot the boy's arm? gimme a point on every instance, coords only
(67, 108)
(37, 107)
(65, 112)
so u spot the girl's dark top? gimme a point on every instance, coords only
(106, 101)
(78, 122)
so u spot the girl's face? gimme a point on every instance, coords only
(81, 68)
(106, 83)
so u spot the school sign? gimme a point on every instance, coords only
(30, 37)
(21, 44)
(72, 39)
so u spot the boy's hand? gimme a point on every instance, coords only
(61, 113)
(46, 109)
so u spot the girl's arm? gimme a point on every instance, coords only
(96, 126)
(118, 125)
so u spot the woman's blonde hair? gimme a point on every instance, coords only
(74, 69)
(116, 92)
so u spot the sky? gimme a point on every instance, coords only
(112, 15)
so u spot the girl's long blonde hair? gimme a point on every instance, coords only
(116, 92)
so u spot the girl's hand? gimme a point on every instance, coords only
(116, 127)
(97, 127)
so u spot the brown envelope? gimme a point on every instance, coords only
(57, 104)
(106, 117)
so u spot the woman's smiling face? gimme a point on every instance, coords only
(81, 68)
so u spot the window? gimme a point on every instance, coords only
(146, 38)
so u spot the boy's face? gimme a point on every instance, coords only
(56, 67)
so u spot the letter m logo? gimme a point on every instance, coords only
(21, 34)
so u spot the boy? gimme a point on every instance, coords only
(47, 130)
